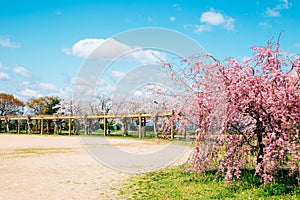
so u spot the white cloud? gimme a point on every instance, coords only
(212, 18)
(187, 26)
(5, 42)
(177, 6)
(117, 74)
(4, 67)
(229, 24)
(97, 48)
(47, 86)
(265, 25)
(272, 12)
(172, 18)
(105, 88)
(30, 93)
(275, 11)
(83, 81)
(108, 49)
(297, 45)
(26, 84)
(111, 49)
(22, 71)
(66, 50)
(4, 76)
(201, 28)
(147, 56)
(37, 90)
(83, 48)
(285, 4)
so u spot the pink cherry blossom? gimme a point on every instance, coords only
(251, 109)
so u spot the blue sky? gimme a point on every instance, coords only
(44, 43)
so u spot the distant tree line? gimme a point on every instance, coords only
(11, 106)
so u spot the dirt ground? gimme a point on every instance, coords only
(58, 167)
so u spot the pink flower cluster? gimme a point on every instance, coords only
(252, 107)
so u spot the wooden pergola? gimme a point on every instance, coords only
(71, 118)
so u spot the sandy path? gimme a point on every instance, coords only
(48, 167)
(56, 167)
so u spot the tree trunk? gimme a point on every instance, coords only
(259, 130)
(7, 125)
(124, 127)
(28, 125)
(60, 126)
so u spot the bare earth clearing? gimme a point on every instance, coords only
(58, 167)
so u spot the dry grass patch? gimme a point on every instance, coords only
(26, 152)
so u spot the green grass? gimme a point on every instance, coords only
(176, 183)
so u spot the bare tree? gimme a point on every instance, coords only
(101, 104)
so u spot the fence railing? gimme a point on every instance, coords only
(42, 120)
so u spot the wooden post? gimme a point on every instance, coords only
(7, 121)
(54, 130)
(85, 125)
(26, 127)
(18, 126)
(48, 124)
(70, 125)
(74, 126)
(144, 127)
(124, 126)
(105, 126)
(140, 126)
(42, 125)
(60, 126)
(172, 130)
(172, 126)
(55, 126)
(28, 124)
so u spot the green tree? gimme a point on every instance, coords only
(43, 105)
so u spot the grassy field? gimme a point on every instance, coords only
(176, 183)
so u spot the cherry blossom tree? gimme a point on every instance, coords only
(100, 104)
(247, 113)
(145, 101)
(65, 107)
